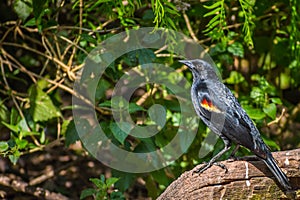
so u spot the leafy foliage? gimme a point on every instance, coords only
(163, 11)
(247, 8)
(43, 44)
(101, 191)
(215, 27)
(218, 24)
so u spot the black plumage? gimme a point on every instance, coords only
(221, 112)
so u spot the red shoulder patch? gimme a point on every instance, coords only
(208, 105)
(206, 102)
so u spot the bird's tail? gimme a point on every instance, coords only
(277, 172)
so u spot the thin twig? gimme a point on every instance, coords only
(65, 88)
(188, 25)
(144, 97)
(8, 87)
(52, 172)
(275, 121)
(57, 61)
(17, 63)
(73, 44)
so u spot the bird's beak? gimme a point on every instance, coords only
(187, 63)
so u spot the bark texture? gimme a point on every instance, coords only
(246, 178)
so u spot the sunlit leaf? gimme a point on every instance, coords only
(22, 8)
(218, 3)
(235, 78)
(254, 113)
(236, 49)
(41, 105)
(270, 110)
(276, 101)
(3, 146)
(111, 181)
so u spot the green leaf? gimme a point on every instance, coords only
(117, 195)
(270, 143)
(99, 183)
(102, 87)
(42, 83)
(235, 78)
(171, 23)
(14, 157)
(23, 125)
(125, 181)
(146, 145)
(102, 178)
(64, 127)
(111, 181)
(213, 20)
(101, 195)
(71, 134)
(276, 100)
(256, 93)
(236, 49)
(30, 22)
(14, 128)
(270, 110)
(151, 187)
(88, 38)
(213, 12)
(43, 137)
(133, 107)
(158, 114)
(160, 177)
(21, 143)
(41, 105)
(172, 105)
(87, 192)
(172, 11)
(4, 113)
(211, 26)
(217, 4)
(105, 104)
(145, 56)
(3, 146)
(29, 133)
(118, 133)
(254, 113)
(14, 116)
(22, 8)
(38, 6)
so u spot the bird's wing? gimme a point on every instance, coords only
(223, 113)
(241, 127)
(208, 106)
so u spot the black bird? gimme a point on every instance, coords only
(221, 112)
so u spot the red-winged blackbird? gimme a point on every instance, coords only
(220, 111)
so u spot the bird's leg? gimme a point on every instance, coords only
(232, 156)
(216, 157)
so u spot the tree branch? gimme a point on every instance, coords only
(246, 178)
(18, 185)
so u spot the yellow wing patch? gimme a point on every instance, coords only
(208, 105)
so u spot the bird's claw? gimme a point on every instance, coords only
(208, 165)
(233, 158)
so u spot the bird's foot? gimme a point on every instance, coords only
(233, 158)
(208, 165)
